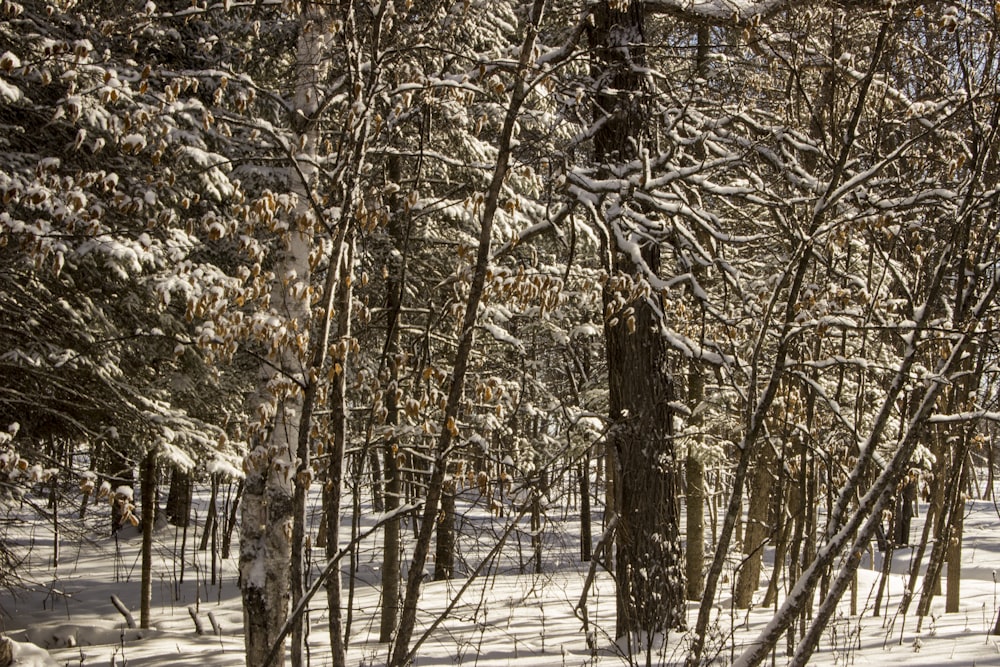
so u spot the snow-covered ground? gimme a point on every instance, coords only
(504, 617)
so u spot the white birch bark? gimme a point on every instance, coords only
(267, 568)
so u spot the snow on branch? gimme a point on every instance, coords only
(735, 12)
(958, 417)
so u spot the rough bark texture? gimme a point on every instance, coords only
(252, 526)
(648, 554)
(277, 467)
(694, 468)
(953, 590)
(265, 542)
(268, 505)
(648, 568)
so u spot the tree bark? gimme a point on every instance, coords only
(390, 548)
(227, 535)
(179, 497)
(951, 516)
(694, 480)
(586, 538)
(395, 281)
(649, 557)
(784, 497)
(444, 555)
(536, 528)
(253, 525)
(335, 470)
(211, 516)
(904, 512)
(274, 467)
(953, 594)
(148, 483)
(694, 467)
(757, 530)
(648, 568)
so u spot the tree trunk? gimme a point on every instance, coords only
(778, 568)
(953, 506)
(694, 480)
(179, 497)
(54, 500)
(355, 559)
(227, 536)
(444, 555)
(757, 530)
(650, 586)
(586, 539)
(962, 398)
(883, 579)
(275, 483)
(390, 548)
(648, 552)
(916, 560)
(536, 528)
(953, 592)
(607, 555)
(785, 502)
(395, 280)
(988, 492)
(211, 515)
(694, 467)
(148, 482)
(335, 471)
(253, 525)
(402, 654)
(904, 512)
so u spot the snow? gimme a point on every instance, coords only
(9, 93)
(133, 143)
(27, 654)
(734, 10)
(66, 617)
(501, 336)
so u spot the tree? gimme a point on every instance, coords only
(402, 653)
(648, 556)
(429, 239)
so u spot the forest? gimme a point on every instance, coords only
(696, 298)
